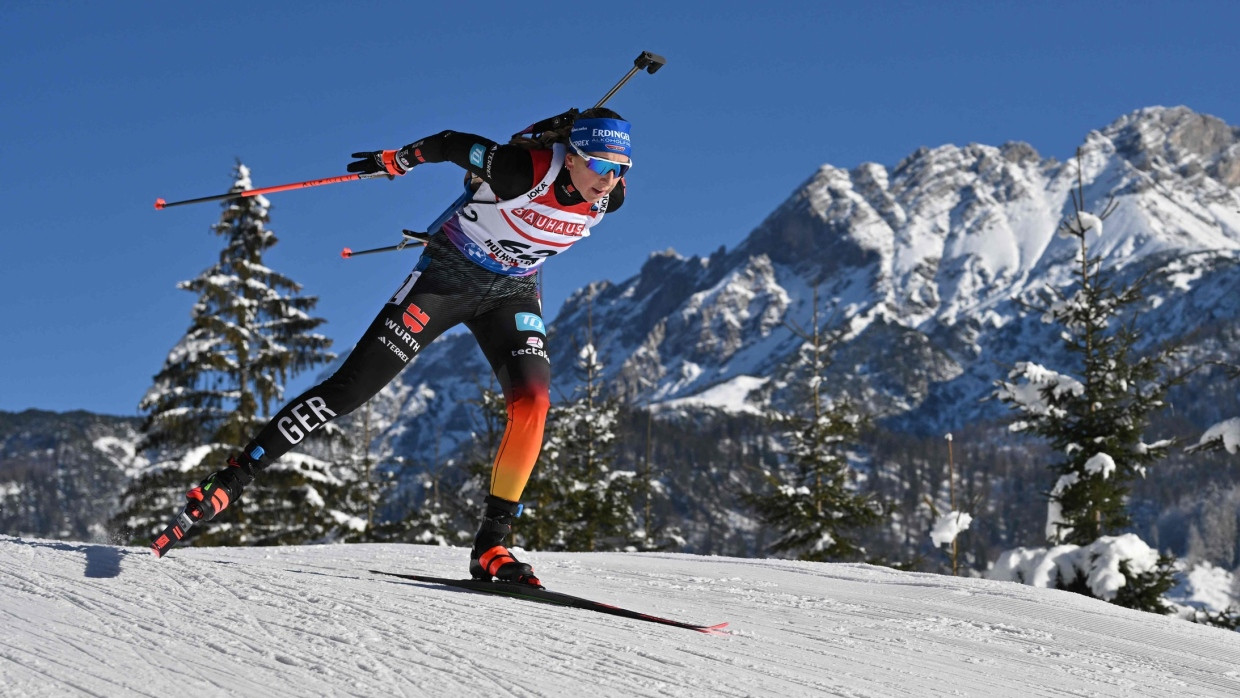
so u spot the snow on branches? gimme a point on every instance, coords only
(1098, 564)
(1224, 435)
(949, 525)
(1037, 396)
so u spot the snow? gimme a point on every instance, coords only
(730, 396)
(1080, 224)
(948, 526)
(1100, 464)
(1055, 530)
(1205, 586)
(1029, 395)
(189, 460)
(1227, 432)
(1098, 563)
(84, 619)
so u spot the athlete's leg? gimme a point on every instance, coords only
(417, 314)
(514, 341)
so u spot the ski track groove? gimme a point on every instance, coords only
(31, 666)
(310, 620)
(452, 657)
(71, 630)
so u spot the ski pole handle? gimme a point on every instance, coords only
(650, 62)
(160, 204)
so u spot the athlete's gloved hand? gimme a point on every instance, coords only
(379, 162)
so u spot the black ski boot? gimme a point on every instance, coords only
(208, 499)
(220, 489)
(490, 558)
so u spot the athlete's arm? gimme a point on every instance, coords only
(509, 169)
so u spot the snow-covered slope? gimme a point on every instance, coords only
(82, 619)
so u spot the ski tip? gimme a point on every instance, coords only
(345, 254)
(714, 629)
(160, 545)
(160, 204)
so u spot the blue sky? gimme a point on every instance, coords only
(107, 106)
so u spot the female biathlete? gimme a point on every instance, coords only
(480, 269)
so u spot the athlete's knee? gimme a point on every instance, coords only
(350, 387)
(529, 405)
(298, 419)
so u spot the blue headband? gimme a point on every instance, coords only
(601, 136)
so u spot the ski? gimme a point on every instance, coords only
(531, 593)
(176, 530)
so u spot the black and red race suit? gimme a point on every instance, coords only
(528, 209)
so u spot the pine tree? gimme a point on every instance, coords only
(249, 333)
(1095, 422)
(579, 499)
(811, 499)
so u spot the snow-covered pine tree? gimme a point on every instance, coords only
(250, 332)
(811, 498)
(1095, 421)
(578, 499)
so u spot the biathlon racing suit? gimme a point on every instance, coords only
(481, 269)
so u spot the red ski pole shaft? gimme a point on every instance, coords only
(161, 204)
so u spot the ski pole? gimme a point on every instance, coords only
(651, 62)
(461, 200)
(160, 204)
(410, 236)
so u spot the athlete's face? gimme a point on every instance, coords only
(592, 185)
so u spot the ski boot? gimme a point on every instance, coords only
(207, 500)
(489, 558)
(220, 489)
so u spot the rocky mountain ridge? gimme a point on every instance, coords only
(924, 267)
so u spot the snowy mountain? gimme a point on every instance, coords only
(57, 468)
(293, 621)
(923, 265)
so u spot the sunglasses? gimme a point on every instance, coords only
(601, 166)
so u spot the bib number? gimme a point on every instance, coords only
(522, 251)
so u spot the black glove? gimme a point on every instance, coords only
(378, 162)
